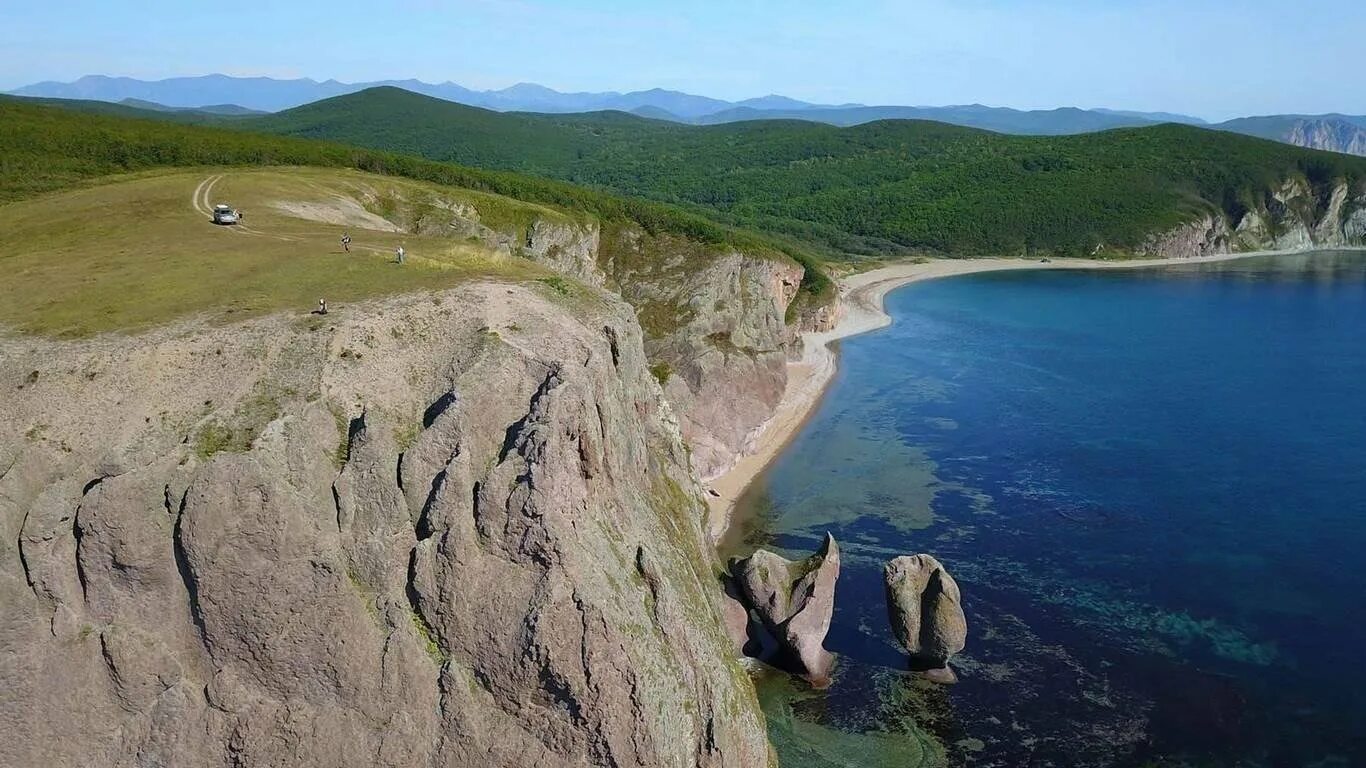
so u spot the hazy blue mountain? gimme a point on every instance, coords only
(272, 95)
(655, 113)
(236, 96)
(1053, 122)
(774, 101)
(685, 105)
(1156, 117)
(258, 93)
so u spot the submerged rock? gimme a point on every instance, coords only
(925, 608)
(794, 601)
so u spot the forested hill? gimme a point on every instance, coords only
(45, 148)
(881, 188)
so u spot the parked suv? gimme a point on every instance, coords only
(222, 214)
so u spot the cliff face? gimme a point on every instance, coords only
(1330, 134)
(715, 333)
(1292, 217)
(715, 320)
(450, 530)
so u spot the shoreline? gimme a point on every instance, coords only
(862, 295)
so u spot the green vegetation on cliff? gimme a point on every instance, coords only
(882, 188)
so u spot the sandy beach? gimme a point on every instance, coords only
(862, 296)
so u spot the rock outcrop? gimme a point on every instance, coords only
(565, 247)
(926, 611)
(795, 602)
(1294, 216)
(1331, 134)
(1205, 236)
(442, 530)
(715, 319)
(715, 333)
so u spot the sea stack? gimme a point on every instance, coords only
(926, 612)
(795, 601)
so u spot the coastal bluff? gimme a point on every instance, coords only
(453, 529)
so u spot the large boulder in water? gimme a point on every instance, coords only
(926, 611)
(795, 601)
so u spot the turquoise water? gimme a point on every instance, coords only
(1151, 487)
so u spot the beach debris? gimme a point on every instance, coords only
(926, 611)
(794, 602)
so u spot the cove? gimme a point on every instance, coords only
(1150, 485)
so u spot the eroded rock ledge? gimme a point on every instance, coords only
(450, 530)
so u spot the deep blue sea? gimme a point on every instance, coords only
(1151, 488)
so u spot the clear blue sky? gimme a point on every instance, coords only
(1212, 58)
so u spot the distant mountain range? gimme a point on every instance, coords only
(271, 95)
(234, 96)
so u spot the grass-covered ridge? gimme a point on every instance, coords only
(881, 188)
(140, 251)
(45, 149)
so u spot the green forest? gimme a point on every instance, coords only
(813, 191)
(883, 188)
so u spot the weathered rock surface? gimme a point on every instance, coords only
(715, 319)
(446, 530)
(926, 611)
(1332, 134)
(1202, 237)
(565, 247)
(795, 601)
(715, 332)
(1294, 216)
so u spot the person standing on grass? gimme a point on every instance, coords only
(399, 252)
(346, 242)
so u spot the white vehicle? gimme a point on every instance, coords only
(222, 214)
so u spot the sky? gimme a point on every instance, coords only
(1210, 58)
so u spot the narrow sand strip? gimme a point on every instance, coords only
(862, 296)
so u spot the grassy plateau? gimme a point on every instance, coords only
(141, 250)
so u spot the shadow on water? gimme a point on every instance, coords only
(1149, 485)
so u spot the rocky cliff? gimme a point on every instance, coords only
(1295, 215)
(715, 318)
(715, 333)
(1331, 134)
(445, 530)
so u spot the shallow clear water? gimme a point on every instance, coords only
(1151, 487)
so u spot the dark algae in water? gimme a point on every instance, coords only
(1150, 486)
